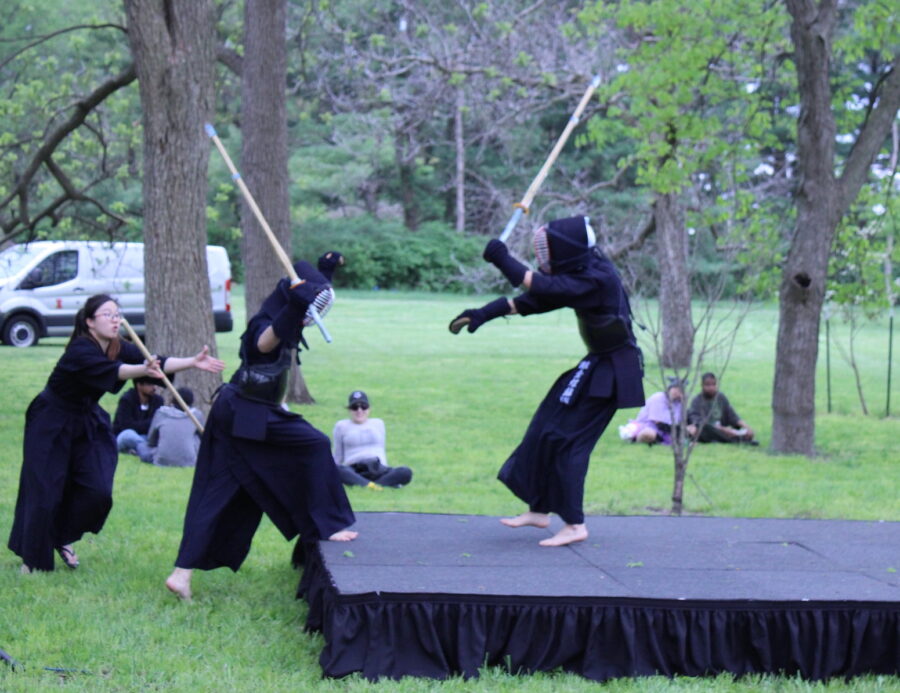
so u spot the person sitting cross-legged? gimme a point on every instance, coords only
(359, 449)
(712, 419)
(134, 413)
(174, 440)
(657, 418)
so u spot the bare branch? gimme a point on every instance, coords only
(230, 59)
(41, 39)
(78, 195)
(80, 112)
(636, 241)
(871, 137)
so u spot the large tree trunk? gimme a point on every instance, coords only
(460, 146)
(173, 44)
(674, 282)
(821, 202)
(264, 157)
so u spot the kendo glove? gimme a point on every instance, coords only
(329, 262)
(303, 294)
(287, 323)
(497, 253)
(474, 318)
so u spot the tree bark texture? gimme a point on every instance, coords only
(264, 150)
(405, 162)
(460, 146)
(821, 201)
(173, 43)
(674, 282)
(264, 157)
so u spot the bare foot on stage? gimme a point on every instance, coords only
(179, 582)
(528, 519)
(343, 535)
(567, 535)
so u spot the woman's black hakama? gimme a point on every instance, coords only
(69, 454)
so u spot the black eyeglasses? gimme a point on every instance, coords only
(357, 407)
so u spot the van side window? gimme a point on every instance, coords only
(55, 269)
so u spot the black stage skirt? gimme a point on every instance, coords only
(65, 487)
(548, 468)
(256, 457)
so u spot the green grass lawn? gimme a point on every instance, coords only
(455, 407)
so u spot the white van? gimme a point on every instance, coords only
(44, 283)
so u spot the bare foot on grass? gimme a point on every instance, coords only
(528, 519)
(179, 583)
(567, 535)
(344, 535)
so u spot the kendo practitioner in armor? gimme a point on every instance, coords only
(70, 456)
(256, 457)
(548, 468)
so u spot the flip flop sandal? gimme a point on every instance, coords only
(68, 556)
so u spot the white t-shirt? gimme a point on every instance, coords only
(354, 442)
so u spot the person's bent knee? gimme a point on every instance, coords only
(127, 440)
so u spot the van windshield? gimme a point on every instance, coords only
(14, 258)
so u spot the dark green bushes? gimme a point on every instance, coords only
(386, 255)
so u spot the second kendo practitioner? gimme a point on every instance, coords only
(255, 456)
(548, 468)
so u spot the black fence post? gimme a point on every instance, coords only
(887, 407)
(828, 360)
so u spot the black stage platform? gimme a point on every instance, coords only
(438, 595)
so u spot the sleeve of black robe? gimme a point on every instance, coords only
(87, 364)
(550, 292)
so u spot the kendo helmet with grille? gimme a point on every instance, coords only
(324, 298)
(564, 245)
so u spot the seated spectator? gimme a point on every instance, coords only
(657, 418)
(359, 451)
(173, 439)
(135, 412)
(711, 418)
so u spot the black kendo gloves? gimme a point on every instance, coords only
(286, 324)
(303, 294)
(329, 262)
(497, 253)
(476, 317)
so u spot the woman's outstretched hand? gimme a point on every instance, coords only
(205, 362)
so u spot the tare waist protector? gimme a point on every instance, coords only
(604, 333)
(266, 381)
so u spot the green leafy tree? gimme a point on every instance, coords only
(69, 154)
(829, 41)
(679, 98)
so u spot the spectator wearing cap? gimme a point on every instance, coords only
(359, 448)
(135, 412)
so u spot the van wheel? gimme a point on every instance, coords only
(21, 331)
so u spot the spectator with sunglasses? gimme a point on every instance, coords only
(359, 449)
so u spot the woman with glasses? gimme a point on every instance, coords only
(256, 456)
(70, 456)
(359, 449)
